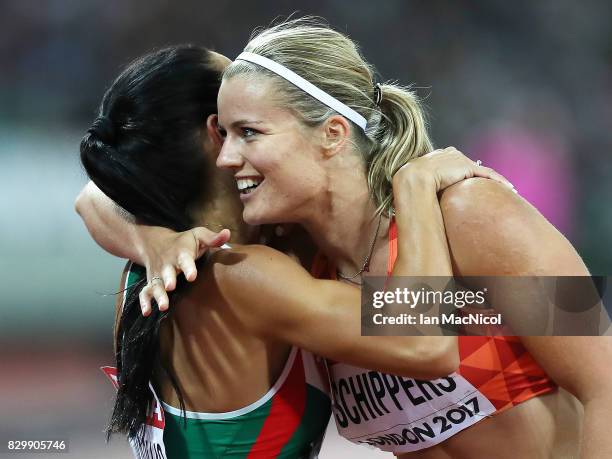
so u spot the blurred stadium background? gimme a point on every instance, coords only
(524, 86)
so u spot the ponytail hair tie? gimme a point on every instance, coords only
(377, 94)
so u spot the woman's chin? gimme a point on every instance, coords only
(252, 218)
(255, 217)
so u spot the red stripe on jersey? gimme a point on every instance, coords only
(285, 415)
(392, 247)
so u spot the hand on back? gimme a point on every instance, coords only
(167, 254)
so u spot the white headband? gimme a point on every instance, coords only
(306, 86)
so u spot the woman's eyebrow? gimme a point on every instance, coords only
(244, 121)
(239, 123)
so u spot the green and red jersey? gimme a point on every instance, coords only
(287, 422)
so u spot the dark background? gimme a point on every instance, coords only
(524, 86)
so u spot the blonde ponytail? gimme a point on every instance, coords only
(400, 136)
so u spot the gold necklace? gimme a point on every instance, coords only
(366, 262)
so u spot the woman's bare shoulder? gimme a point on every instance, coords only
(248, 256)
(252, 266)
(488, 209)
(480, 196)
(493, 231)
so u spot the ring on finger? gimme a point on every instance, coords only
(478, 162)
(156, 278)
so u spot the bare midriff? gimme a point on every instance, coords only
(543, 427)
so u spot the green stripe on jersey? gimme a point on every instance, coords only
(135, 275)
(212, 438)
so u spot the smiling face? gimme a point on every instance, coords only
(277, 160)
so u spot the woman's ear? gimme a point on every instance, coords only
(212, 129)
(336, 132)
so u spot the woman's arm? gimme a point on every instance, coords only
(422, 248)
(109, 225)
(162, 251)
(581, 364)
(275, 297)
(493, 232)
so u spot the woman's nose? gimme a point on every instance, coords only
(229, 157)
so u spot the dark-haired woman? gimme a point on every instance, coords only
(230, 351)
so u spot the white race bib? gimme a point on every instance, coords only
(400, 414)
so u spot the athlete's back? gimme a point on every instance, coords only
(243, 392)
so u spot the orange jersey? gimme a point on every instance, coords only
(401, 414)
(499, 366)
